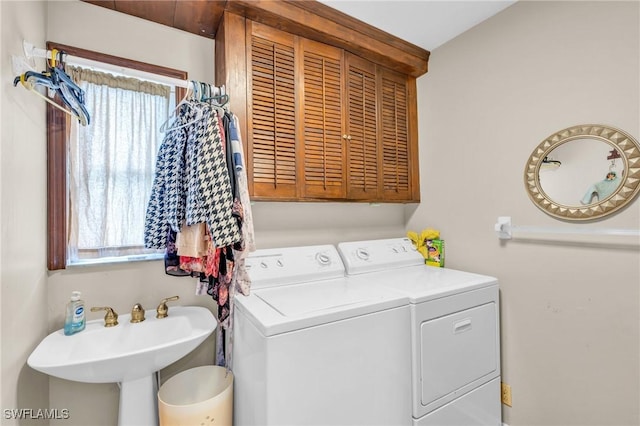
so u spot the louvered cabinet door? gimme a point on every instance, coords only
(395, 138)
(271, 112)
(362, 130)
(322, 166)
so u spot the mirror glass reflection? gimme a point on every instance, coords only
(581, 172)
(584, 172)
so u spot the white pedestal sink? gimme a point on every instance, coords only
(128, 353)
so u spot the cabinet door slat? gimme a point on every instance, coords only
(362, 123)
(395, 138)
(273, 114)
(322, 104)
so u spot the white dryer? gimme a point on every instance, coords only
(311, 347)
(455, 343)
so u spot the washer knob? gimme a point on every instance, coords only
(362, 254)
(323, 259)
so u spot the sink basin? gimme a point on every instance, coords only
(127, 353)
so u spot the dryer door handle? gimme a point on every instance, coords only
(462, 326)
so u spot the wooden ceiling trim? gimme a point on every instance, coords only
(159, 11)
(309, 19)
(319, 22)
(109, 4)
(199, 17)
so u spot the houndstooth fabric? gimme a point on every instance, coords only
(177, 165)
(210, 185)
(169, 173)
(191, 184)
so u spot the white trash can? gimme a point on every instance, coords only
(201, 395)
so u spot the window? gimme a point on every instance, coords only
(100, 176)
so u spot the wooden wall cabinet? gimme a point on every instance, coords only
(322, 123)
(272, 153)
(321, 117)
(381, 139)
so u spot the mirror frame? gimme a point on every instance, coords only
(629, 187)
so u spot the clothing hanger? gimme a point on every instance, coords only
(548, 164)
(205, 91)
(72, 95)
(56, 80)
(189, 93)
(198, 96)
(30, 84)
(220, 100)
(613, 154)
(187, 100)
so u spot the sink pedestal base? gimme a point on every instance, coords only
(138, 402)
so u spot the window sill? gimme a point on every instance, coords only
(114, 260)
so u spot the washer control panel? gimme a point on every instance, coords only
(378, 255)
(293, 265)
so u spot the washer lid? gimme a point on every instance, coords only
(281, 309)
(422, 283)
(301, 300)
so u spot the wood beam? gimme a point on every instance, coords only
(316, 21)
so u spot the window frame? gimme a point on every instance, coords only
(57, 150)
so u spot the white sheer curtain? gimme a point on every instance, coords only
(112, 164)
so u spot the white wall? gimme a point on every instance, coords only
(570, 306)
(23, 227)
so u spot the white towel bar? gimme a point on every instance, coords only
(504, 229)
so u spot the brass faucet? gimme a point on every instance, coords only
(163, 309)
(110, 318)
(137, 313)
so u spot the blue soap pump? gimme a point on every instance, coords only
(74, 321)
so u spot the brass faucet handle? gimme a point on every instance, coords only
(137, 313)
(110, 318)
(163, 309)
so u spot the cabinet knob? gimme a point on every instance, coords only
(347, 137)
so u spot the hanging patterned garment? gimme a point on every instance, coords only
(200, 183)
(241, 280)
(213, 199)
(169, 172)
(182, 190)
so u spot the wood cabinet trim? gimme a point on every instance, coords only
(310, 19)
(316, 21)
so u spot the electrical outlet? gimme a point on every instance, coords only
(506, 393)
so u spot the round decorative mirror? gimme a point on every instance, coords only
(584, 172)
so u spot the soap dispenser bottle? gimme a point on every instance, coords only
(74, 321)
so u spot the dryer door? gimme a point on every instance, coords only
(458, 351)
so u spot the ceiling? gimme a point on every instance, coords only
(425, 23)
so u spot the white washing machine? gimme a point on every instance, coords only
(455, 336)
(312, 347)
